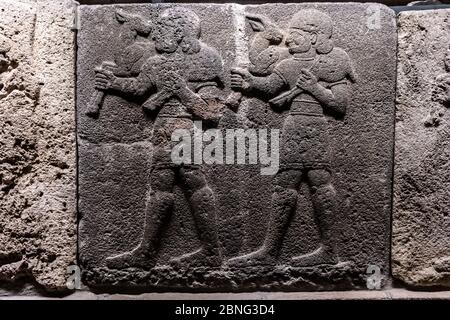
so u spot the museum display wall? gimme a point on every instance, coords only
(223, 147)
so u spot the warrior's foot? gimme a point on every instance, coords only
(260, 257)
(198, 258)
(138, 258)
(322, 255)
(442, 264)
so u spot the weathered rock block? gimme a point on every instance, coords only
(421, 226)
(37, 141)
(321, 74)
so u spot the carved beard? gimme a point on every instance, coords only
(298, 46)
(167, 38)
(167, 47)
(305, 47)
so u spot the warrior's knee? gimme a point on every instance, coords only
(318, 178)
(203, 203)
(288, 179)
(204, 194)
(325, 192)
(193, 180)
(162, 180)
(324, 197)
(162, 198)
(284, 196)
(322, 190)
(168, 197)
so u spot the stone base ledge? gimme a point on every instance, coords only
(391, 294)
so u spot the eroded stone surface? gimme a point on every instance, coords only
(146, 70)
(421, 227)
(37, 141)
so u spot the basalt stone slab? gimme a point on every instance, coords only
(321, 74)
(421, 226)
(37, 142)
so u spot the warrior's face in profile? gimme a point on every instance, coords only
(177, 27)
(309, 29)
(166, 36)
(299, 41)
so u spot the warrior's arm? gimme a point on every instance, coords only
(190, 98)
(138, 86)
(206, 101)
(335, 99)
(269, 86)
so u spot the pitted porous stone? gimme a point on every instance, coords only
(322, 74)
(421, 222)
(37, 142)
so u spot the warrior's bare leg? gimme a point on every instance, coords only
(284, 201)
(323, 200)
(203, 206)
(157, 214)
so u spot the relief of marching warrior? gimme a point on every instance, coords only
(308, 75)
(182, 81)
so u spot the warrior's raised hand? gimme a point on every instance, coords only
(240, 79)
(104, 78)
(307, 80)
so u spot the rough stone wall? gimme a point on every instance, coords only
(37, 142)
(421, 207)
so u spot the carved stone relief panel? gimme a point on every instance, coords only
(284, 115)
